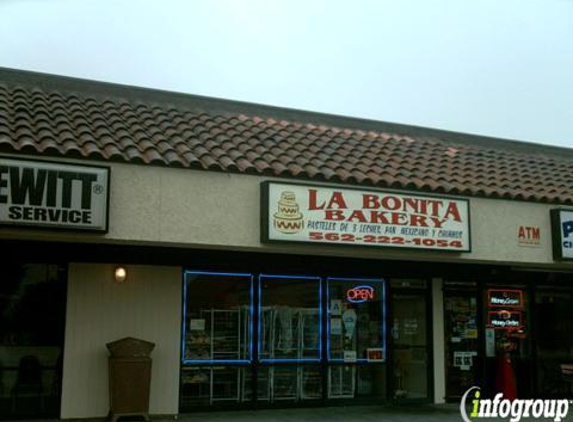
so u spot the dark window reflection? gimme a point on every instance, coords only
(554, 325)
(217, 315)
(32, 321)
(289, 318)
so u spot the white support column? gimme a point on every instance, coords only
(438, 341)
(99, 310)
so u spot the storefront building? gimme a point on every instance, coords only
(275, 257)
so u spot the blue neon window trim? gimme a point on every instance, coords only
(320, 304)
(207, 362)
(251, 314)
(251, 277)
(304, 277)
(260, 320)
(290, 360)
(383, 310)
(186, 280)
(218, 273)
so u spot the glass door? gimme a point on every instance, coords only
(461, 338)
(508, 363)
(356, 338)
(410, 344)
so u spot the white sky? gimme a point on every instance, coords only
(495, 67)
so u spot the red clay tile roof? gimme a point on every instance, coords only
(49, 115)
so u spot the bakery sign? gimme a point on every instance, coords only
(340, 216)
(53, 195)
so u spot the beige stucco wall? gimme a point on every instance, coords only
(157, 205)
(100, 311)
(222, 210)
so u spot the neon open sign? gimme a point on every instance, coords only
(360, 294)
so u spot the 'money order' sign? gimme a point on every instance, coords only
(56, 195)
(319, 214)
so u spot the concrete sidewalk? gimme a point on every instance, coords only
(335, 414)
(402, 413)
(389, 413)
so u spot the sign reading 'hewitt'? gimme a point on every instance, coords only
(45, 194)
(318, 214)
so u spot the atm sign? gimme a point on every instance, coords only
(360, 294)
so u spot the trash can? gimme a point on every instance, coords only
(129, 377)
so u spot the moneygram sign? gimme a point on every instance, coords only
(53, 195)
(319, 214)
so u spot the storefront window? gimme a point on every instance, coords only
(351, 381)
(32, 319)
(554, 325)
(217, 320)
(288, 341)
(356, 320)
(289, 318)
(289, 383)
(208, 385)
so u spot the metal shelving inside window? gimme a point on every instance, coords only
(206, 385)
(341, 381)
(222, 335)
(224, 339)
(225, 333)
(290, 334)
(217, 343)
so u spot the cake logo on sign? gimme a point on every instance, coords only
(288, 218)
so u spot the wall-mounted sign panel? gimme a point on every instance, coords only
(375, 354)
(340, 216)
(53, 195)
(562, 234)
(529, 236)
